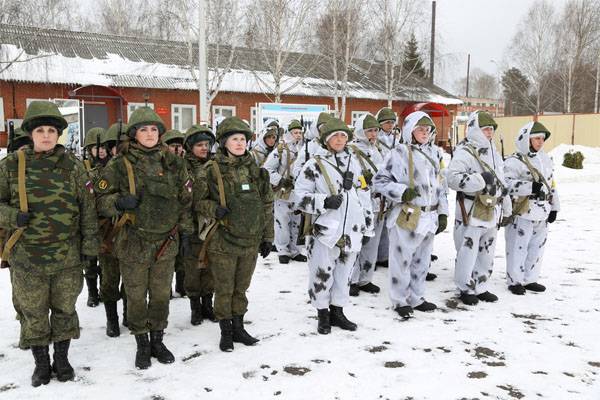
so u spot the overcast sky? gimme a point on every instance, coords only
(483, 28)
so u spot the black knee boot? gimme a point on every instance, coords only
(112, 319)
(207, 308)
(324, 326)
(125, 322)
(158, 348)
(142, 355)
(226, 343)
(179, 277)
(195, 307)
(93, 296)
(60, 366)
(42, 372)
(240, 335)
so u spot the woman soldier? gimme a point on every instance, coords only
(233, 191)
(411, 181)
(198, 282)
(149, 189)
(332, 190)
(47, 207)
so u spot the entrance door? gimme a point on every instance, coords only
(96, 116)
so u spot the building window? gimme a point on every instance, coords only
(28, 101)
(221, 111)
(1, 115)
(183, 116)
(253, 119)
(356, 115)
(131, 107)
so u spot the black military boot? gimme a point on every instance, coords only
(430, 277)
(324, 326)
(535, 287)
(300, 258)
(425, 307)
(207, 308)
(487, 297)
(337, 318)
(61, 367)
(143, 353)
(112, 319)
(93, 296)
(158, 348)
(370, 288)
(196, 306)
(284, 259)
(179, 277)
(354, 290)
(125, 322)
(226, 343)
(468, 299)
(517, 289)
(42, 372)
(240, 335)
(404, 311)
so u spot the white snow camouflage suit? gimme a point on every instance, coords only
(410, 251)
(365, 262)
(475, 242)
(330, 262)
(526, 234)
(260, 151)
(279, 164)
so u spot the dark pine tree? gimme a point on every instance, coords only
(413, 62)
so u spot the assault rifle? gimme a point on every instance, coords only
(460, 196)
(302, 227)
(11, 137)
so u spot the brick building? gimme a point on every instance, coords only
(106, 77)
(469, 104)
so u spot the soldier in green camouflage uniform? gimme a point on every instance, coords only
(109, 264)
(244, 224)
(58, 232)
(174, 139)
(151, 213)
(92, 163)
(198, 282)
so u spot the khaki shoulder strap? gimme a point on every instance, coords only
(483, 164)
(362, 157)
(23, 206)
(325, 175)
(87, 164)
(127, 217)
(537, 175)
(220, 185)
(411, 167)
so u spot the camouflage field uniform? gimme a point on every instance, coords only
(165, 197)
(45, 262)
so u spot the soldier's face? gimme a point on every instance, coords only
(147, 135)
(270, 140)
(44, 138)
(176, 148)
(236, 144)
(93, 151)
(387, 126)
(102, 153)
(371, 135)
(200, 149)
(421, 134)
(338, 141)
(537, 142)
(296, 134)
(488, 132)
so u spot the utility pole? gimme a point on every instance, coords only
(202, 68)
(432, 54)
(468, 72)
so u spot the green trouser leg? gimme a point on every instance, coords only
(198, 282)
(147, 281)
(40, 293)
(232, 275)
(110, 278)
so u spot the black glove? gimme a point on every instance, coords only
(84, 258)
(442, 223)
(506, 221)
(536, 188)
(221, 212)
(23, 219)
(552, 217)
(265, 249)
(334, 202)
(127, 202)
(409, 195)
(488, 177)
(365, 240)
(185, 247)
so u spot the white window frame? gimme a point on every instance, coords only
(29, 100)
(173, 114)
(253, 118)
(220, 108)
(2, 115)
(131, 107)
(356, 115)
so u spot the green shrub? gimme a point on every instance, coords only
(573, 160)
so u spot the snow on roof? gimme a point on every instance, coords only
(83, 58)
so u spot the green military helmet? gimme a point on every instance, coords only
(294, 124)
(144, 116)
(323, 118)
(231, 125)
(112, 133)
(370, 122)
(334, 125)
(485, 119)
(41, 113)
(386, 114)
(198, 133)
(172, 135)
(425, 121)
(91, 137)
(538, 127)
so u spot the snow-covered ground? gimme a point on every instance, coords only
(533, 346)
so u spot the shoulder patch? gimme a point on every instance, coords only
(102, 185)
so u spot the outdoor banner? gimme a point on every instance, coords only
(72, 135)
(284, 113)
